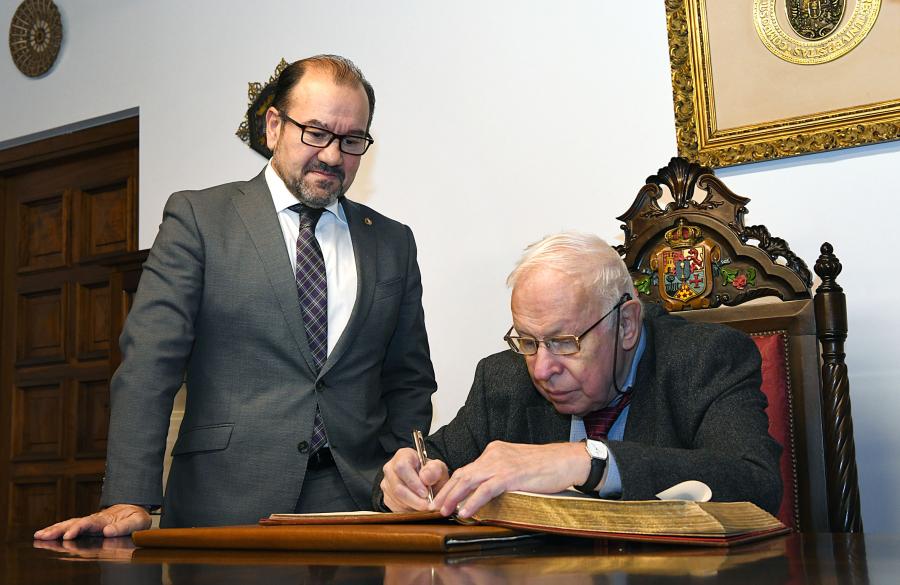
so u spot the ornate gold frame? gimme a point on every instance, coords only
(698, 137)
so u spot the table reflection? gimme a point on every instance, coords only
(573, 561)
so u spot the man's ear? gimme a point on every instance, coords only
(274, 125)
(630, 324)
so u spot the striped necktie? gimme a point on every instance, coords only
(598, 423)
(312, 289)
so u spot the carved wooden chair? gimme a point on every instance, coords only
(694, 255)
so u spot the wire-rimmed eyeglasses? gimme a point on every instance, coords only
(558, 344)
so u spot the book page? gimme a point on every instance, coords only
(327, 514)
(691, 491)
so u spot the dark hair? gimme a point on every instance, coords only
(343, 71)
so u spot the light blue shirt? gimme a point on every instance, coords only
(611, 484)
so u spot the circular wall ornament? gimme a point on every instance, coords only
(832, 41)
(35, 35)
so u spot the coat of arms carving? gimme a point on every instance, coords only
(684, 267)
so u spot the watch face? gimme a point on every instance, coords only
(597, 449)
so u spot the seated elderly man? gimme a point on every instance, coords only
(598, 392)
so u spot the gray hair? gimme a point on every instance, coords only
(585, 257)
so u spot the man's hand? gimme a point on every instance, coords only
(405, 486)
(107, 549)
(504, 467)
(117, 520)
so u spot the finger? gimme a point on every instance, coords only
(483, 494)
(92, 524)
(54, 531)
(125, 526)
(402, 472)
(458, 488)
(58, 530)
(445, 490)
(48, 545)
(434, 474)
(408, 478)
(399, 498)
(441, 495)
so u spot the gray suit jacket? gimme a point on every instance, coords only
(697, 413)
(217, 307)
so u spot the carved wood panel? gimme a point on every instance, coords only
(87, 490)
(42, 322)
(43, 235)
(102, 227)
(38, 425)
(92, 418)
(68, 207)
(34, 500)
(92, 320)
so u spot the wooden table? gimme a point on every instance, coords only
(820, 558)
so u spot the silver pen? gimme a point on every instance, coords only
(423, 456)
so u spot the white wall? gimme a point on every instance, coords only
(462, 87)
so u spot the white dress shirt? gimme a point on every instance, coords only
(333, 235)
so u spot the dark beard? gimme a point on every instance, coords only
(298, 189)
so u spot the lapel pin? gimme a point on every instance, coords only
(367, 221)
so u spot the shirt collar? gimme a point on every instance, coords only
(282, 198)
(638, 353)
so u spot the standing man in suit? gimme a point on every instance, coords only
(600, 393)
(293, 315)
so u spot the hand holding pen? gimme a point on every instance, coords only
(423, 457)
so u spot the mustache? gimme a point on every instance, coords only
(317, 165)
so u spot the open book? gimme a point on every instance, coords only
(689, 519)
(670, 521)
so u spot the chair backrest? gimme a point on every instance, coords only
(694, 255)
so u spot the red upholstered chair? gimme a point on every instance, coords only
(688, 249)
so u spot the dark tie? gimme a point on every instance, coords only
(598, 423)
(312, 289)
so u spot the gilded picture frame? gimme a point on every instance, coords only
(736, 101)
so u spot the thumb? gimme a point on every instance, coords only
(434, 473)
(127, 523)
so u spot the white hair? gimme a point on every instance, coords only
(586, 258)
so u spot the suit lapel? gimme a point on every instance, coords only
(254, 206)
(641, 412)
(365, 252)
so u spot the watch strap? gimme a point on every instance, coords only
(594, 477)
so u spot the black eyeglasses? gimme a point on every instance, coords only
(321, 138)
(559, 344)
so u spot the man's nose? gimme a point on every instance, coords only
(546, 364)
(331, 155)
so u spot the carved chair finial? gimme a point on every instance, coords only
(828, 267)
(680, 176)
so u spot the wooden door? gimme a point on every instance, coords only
(69, 204)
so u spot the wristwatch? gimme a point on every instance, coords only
(599, 453)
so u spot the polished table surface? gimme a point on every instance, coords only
(809, 558)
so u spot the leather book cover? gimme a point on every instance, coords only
(336, 537)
